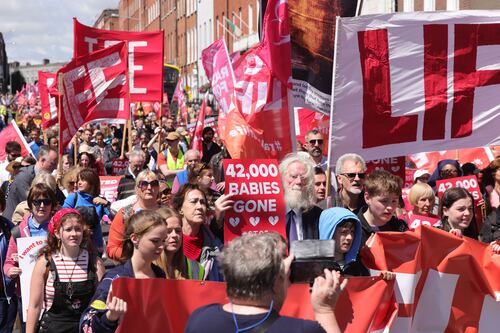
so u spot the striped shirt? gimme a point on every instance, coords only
(67, 269)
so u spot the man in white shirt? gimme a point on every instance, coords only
(12, 151)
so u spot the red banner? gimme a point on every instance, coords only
(48, 103)
(119, 167)
(95, 87)
(181, 100)
(12, 133)
(109, 187)
(481, 157)
(259, 205)
(366, 305)
(444, 283)
(394, 165)
(306, 120)
(145, 54)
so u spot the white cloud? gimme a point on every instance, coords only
(38, 29)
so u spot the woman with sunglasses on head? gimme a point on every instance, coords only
(144, 242)
(146, 188)
(41, 202)
(88, 202)
(65, 276)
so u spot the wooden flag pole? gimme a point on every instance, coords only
(123, 140)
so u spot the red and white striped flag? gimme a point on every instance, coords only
(13, 133)
(48, 103)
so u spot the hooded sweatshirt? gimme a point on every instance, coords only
(328, 222)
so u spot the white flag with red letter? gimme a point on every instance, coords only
(145, 52)
(94, 86)
(412, 82)
(48, 103)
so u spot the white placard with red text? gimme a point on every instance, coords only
(28, 249)
(417, 81)
(394, 165)
(109, 187)
(259, 205)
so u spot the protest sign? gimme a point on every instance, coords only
(394, 165)
(109, 187)
(28, 249)
(259, 205)
(414, 221)
(119, 167)
(391, 92)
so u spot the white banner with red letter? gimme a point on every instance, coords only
(444, 283)
(95, 87)
(145, 53)
(48, 103)
(412, 82)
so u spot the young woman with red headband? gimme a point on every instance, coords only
(65, 276)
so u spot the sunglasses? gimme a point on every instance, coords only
(39, 202)
(316, 141)
(352, 175)
(144, 184)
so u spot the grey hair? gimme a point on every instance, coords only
(45, 178)
(143, 175)
(251, 264)
(136, 153)
(193, 151)
(349, 157)
(305, 159)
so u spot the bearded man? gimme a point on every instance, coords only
(302, 215)
(350, 170)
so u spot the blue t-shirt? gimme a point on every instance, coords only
(37, 231)
(213, 319)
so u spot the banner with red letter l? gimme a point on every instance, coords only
(145, 53)
(94, 86)
(412, 82)
(48, 103)
(259, 205)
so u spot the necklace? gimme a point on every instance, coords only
(69, 286)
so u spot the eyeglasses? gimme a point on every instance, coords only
(352, 175)
(39, 202)
(316, 141)
(144, 184)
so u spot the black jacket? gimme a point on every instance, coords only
(310, 222)
(394, 224)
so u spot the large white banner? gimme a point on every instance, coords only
(414, 82)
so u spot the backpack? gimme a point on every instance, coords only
(89, 214)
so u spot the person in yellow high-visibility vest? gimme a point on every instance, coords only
(171, 161)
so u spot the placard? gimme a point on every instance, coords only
(394, 165)
(119, 167)
(414, 221)
(259, 205)
(28, 249)
(109, 187)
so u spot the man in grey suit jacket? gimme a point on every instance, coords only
(46, 162)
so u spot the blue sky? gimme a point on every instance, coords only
(38, 29)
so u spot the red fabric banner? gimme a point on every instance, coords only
(95, 87)
(12, 133)
(259, 205)
(48, 103)
(366, 305)
(481, 157)
(196, 142)
(145, 54)
(444, 283)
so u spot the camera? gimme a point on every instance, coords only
(312, 256)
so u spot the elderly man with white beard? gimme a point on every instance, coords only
(350, 170)
(302, 215)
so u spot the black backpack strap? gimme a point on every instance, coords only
(262, 328)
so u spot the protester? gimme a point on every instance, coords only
(111, 153)
(350, 170)
(12, 151)
(41, 202)
(65, 276)
(46, 162)
(203, 175)
(382, 192)
(144, 241)
(445, 169)
(421, 197)
(200, 243)
(209, 147)
(257, 279)
(320, 187)
(494, 189)
(90, 204)
(297, 176)
(173, 261)
(165, 195)
(217, 165)
(421, 176)
(53, 142)
(456, 210)
(127, 184)
(36, 142)
(171, 161)
(87, 160)
(191, 157)
(8, 298)
(146, 187)
(64, 166)
(13, 168)
(314, 146)
(69, 182)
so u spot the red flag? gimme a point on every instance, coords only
(48, 103)
(240, 139)
(196, 143)
(145, 51)
(181, 100)
(12, 133)
(95, 87)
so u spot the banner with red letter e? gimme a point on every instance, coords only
(94, 86)
(259, 205)
(412, 82)
(145, 54)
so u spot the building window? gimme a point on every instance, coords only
(250, 19)
(429, 5)
(452, 5)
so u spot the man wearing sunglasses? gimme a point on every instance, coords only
(12, 151)
(314, 146)
(350, 170)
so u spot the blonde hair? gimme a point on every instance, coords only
(420, 190)
(139, 224)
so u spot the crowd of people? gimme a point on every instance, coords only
(167, 222)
